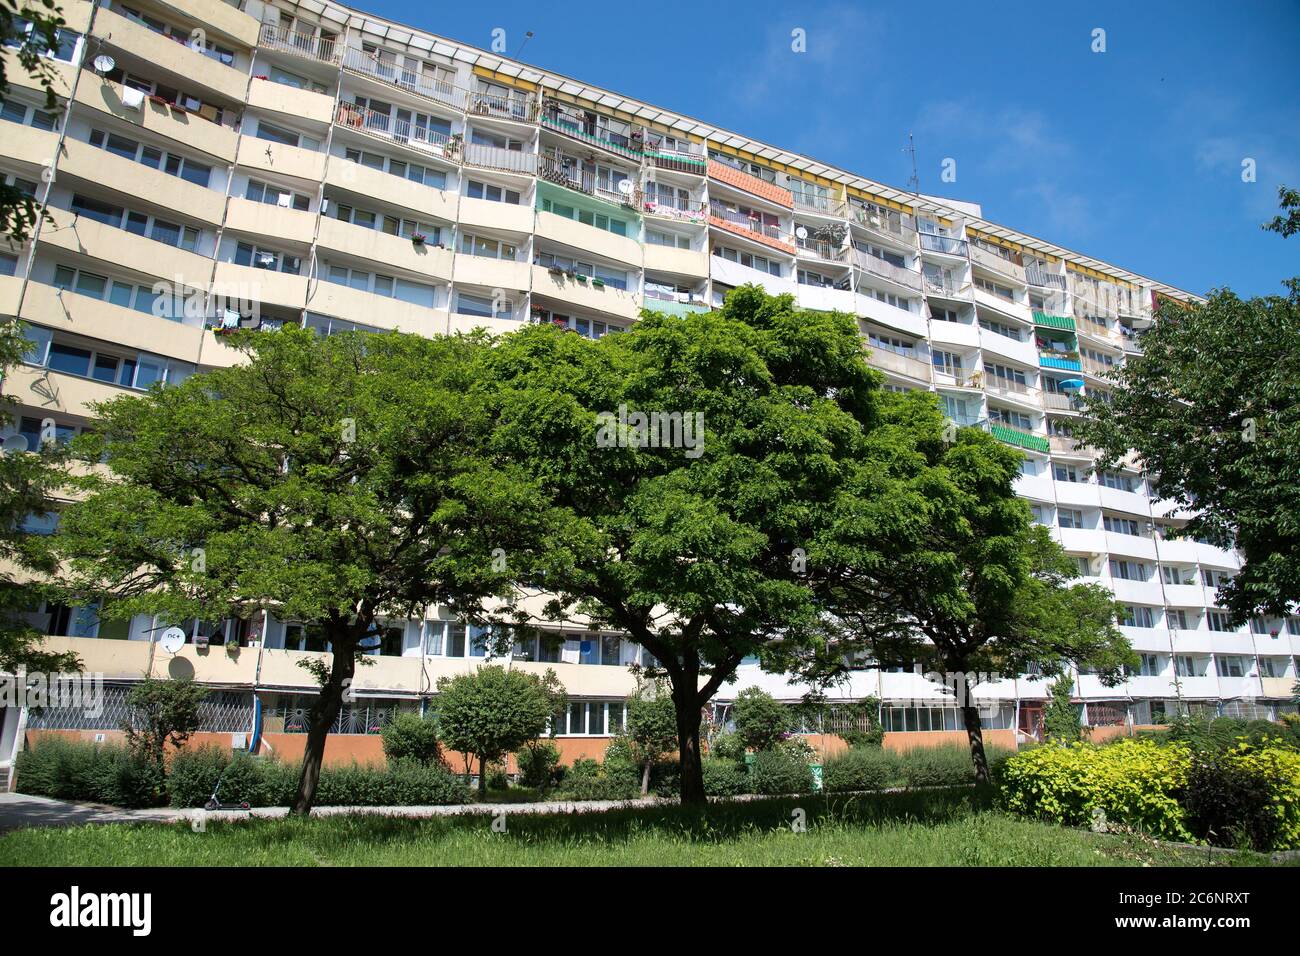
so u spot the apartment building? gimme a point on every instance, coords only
(212, 164)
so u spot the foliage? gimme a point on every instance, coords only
(1061, 721)
(18, 210)
(948, 765)
(1287, 223)
(724, 778)
(28, 483)
(651, 732)
(865, 711)
(539, 764)
(1134, 782)
(862, 768)
(1223, 733)
(493, 711)
(762, 721)
(78, 770)
(1246, 796)
(728, 746)
(588, 779)
(693, 550)
(777, 771)
(411, 736)
(1212, 408)
(263, 782)
(162, 713)
(335, 480)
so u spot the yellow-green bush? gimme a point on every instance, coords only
(1276, 771)
(1134, 782)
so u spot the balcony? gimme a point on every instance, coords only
(1066, 361)
(821, 249)
(899, 364)
(186, 128)
(425, 200)
(172, 55)
(1048, 321)
(579, 126)
(408, 81)
(384, 126)
(749, 227)
(284, 289)
(1011, 389)
(681, 305)
(274, 37)
(109, 244)
(515, 106)
(501, 160)
(485, 213)
(383, 249)
(947, 245)
(1095, 368)
(358, 305)
(280, 159)
(293, 226)
(945, 286)
(999, 264)
(895, 227)
(290, 101)
(489, 273)
(679, 210)
(1018, 438)
(683, 159)
(554, 170)
(820, 206)
(585, 292)
(1063, 445)
(1040, 278)
(579, 235)
(1058, 401)
(679, 262)
(739, 179)
(876, 265)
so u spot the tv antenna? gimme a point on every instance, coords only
(528, 35)
(910, 149)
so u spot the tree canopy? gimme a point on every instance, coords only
(332, 481)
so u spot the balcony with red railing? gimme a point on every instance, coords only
(739, 179)
(749, 227)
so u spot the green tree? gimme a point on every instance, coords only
(692, 545)
(970, 584)
(409, 736)
(651, 727)
(1061, 717)
(1211, 409)
(333, 481)
(162, 713)
(762, 721)
(1288, 222)
(29, 482)
(492, 711)
(31, 29)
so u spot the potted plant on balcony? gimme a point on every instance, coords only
(598, 283)
(418, 239)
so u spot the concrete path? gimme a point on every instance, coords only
(19, 810)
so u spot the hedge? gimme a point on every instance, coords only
(98, 773)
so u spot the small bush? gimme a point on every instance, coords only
(724, 778)
(588, 780)
(1245, 798)
(539, 765)
(862, 768)
(778, 772)
(77, 770)
(946, 766)
(408, 736)
(762, 721)
(728, 746)
(1133, 782)
(665, 778)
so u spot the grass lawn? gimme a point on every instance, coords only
(936, 828)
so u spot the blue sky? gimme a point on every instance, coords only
(1133, 155)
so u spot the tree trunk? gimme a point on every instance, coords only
(645, 778)
(974, 733)
(321, 717)
(482, 777)
(685, 703)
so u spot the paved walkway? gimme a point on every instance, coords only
(19, 810)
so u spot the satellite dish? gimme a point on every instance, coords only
(172, 640)
(801, 232)
(625, 187)
(15, 444)
(104, 64)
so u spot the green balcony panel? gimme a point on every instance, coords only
(1047, 320)
(1014, 436)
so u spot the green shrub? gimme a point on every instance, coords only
(100, 773)
(724, 778)
(945, 766)
(665, 778)
(539, 764)
(761, 720)
(1134, 782)
(588, 780)
(861, 768)
(728, 746)
(408, 736)
(1245, 797)
(778, 772)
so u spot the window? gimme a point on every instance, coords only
(1118, 481)
(188, 169)
(1216, 579)
(1230, 666)
(1137, 615)
(494, 193)
(1272, 666)
(1008, 417)
(1069, 518)
(1128, 570)
(1179, 619)
(1150, 666)
(1120, 525)
(1082, 568)
(124, 368)
(1065, 473)
(397, 167)
(749, 260)
(1185, 666)
(479, 305)
(486, 246)
(585, 216)
(1000, 328)
(1172, 575)
(160, 230)
(891, 343)
(417, 293)
(247, 254)
(393, 225)
(1259, 625)
(654, 237)
(287, 137)
(1220, 621)
(126, 294)
(947, 362)
(1001, 291)
(259, 191)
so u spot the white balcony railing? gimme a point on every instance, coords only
(1036, 276)
(520, 107)
(401, 131)
(948, 245)
(820, 205)
(276, 37)
(386, 71)
(886, 270)
(996, 263)
(822, 249)
(897, 226)
(506, 160)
